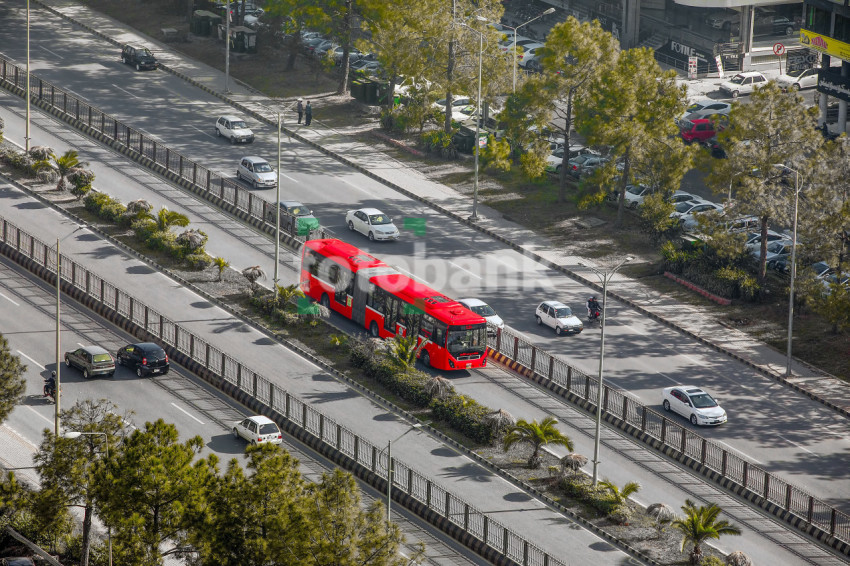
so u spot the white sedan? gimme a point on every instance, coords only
(559, 316)
(686, 212)
(795, 80)
(373, 223)
(481, 308)
(694, 404)
(258, 430)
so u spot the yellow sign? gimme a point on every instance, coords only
(825, 44)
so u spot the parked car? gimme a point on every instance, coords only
(743, 83)
(146, 358)
(234, 129)
(139, 57)
(257, 172)
(693, 403)
(459, 103)
(777, 253)
(681, 196)
(310, 43)
(528, 53)
(91, 361)
(635, 195)
(798, 79)
(559, 316)
(753, 242)
(373, 223)
(698, 129)
(354, 55)
(705, 108)
(555, 160)
(507, 44)
(17, 561)
(321, 49)
(366, 68)
(586, 164)
(258, 430)
(686, 212)
(295, 218)
(479, 307)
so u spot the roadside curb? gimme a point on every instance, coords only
(731, 486)
(301, 435)
(697, 289)
(457, 217)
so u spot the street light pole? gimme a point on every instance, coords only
(27, 134)
(391, 468)
(277, 213)
(474, 215)
(797, 187)
(605, 277)
(227, 46)
(77, 434)
(516, 31)
(56, 394)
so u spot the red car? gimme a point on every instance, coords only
(697, 130)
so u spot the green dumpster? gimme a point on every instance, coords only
(371, 92)
(358, 91)
(383, 92)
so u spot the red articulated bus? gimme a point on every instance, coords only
(366, 290)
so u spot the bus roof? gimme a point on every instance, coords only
(344, 253)
(421, 296)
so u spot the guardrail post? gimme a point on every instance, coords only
(811, 511)
(181, 167)
(338, 437)
(176, 336)
(684, 440)
(221, 191)
(356, 445)
(625, 409)
(551, 367)
(254, 384)
(723, 463)
(146, 311)
(162, 326)
(115, 130)
(89, 121)
(664, 432)
(194, 173)
(102, 292)
(427, 494)
(206, 357)
(466, 516)
(516, 348)
(132, 305)
(52, 95)
(18, 239)
(64, 102)
(16, 75)
(374, 458)
(534, 359)
(77, 112)
(223, 360)
(192, 348)
(88, 282)
(167, 158)
(239, 379)
(767, 486)
(704, 450)
(127, 143)
(505, 532)
(746, 470)
(141, 144)
(40, 89)
(251, 204)
(448, 505)
(499, 340)
(271, 395)
(288, 410)
(605, 391)
(409, 480)
(525, 552)
(485, 528)
(832, 522)
(569, 377)
(643, 419)
(787, 497)
(208, 180)
(587, 387)
(303, 415)
(102, 122)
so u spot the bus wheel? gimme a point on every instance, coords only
(373, 330)
(426, 359)
(326, 302)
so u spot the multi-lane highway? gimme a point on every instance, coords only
(782, 431)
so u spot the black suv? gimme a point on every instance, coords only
(138, 56)
(146, 358)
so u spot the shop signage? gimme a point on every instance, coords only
(799, 59)
(825, 44)
(684, 53)
(832, 83)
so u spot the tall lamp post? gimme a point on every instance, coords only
(391, 468)
(227, 47)
(604, 277)
(515, 30)
(27, 134)
(477, 142)
(797, 187)
(77, 434)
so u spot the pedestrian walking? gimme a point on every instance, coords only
(308, 114)
(300, 109)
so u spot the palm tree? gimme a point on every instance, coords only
(286, 294)
(663, 515)
(221, 264)
(439, 387)
(499, 421)
(616, 493)
(699, 525)
(69, 160)
(165, 219)
(253, 274)
(402, 351)
(537, 435)
(574, 462)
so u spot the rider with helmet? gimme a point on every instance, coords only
(50, 385)
(593, 308)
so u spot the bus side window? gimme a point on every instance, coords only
(439, 334)
(314, 263)
(391, 313)
(376, 299)
(333, 273)
(427, 328)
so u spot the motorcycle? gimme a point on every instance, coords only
(594, 314)
(49, 389)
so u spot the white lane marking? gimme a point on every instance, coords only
(665, 376)
(127, 91)
(797, 445)
(81, 345)
(290, 178)
(462, 269)
(187, 413)
(49, 421)
(51, 52)
(32, 360)
(10, 300)
(347, 182)
(733, 449)
(206, 133)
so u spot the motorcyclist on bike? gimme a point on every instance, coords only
(593, 309)
(50, 385)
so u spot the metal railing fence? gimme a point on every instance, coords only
(299, 413)
(674, 435)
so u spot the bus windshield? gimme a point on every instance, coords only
(467, 339)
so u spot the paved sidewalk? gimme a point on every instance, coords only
(692, 320)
